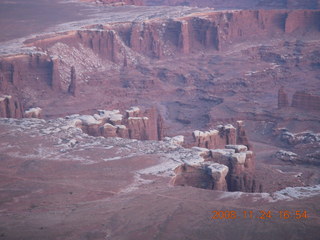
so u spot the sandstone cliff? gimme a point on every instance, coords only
(10, 107)
(306, 101)
(222, 136)
(135, 124)
(229, 169)
(216, 138)
(77, 53)
(206, 176)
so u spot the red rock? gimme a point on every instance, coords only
(33, 113)
(214, 139)
(242, 138)
(282, 98)
(306, 101)
(73, 82)
(10, 107)
(208, 176)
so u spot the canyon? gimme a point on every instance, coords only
(142, 117)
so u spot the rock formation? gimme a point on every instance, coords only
(242, 138)
(241, 167)
(282, 98)
(293, 139)
(293, 158)
(207, 176)
(121, 43)
(135, 124)
(73, 82)
(306, 101)
(10, 107)
(216, 138)
(33, 113)
(229, 169)
(222, 136)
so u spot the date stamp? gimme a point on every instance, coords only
(259, 214)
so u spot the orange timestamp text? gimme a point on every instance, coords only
(260, 214)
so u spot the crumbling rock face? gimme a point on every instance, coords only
(216, 138)
(135, 124)
(306, 101)
(296, 19)
(10, 107)
(222, 136)
(207, 176)
(241, 167)
(229, 169)
(39, 67)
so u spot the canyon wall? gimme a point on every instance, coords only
(26, 70)
(67, 58)
(301, 100)
(306, 101)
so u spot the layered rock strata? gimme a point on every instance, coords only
(134, 124)
(229, 169)
(306, 101)
(63, 61)
(10, 107)
(204, 175)
(221, 136)
(216, 138)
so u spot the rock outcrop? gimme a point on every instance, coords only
(40, 69)
(216, 138)
(293, 158)
(306, 101)
(241, 167)
(124, 43)
(134, 124)
(229, 169)
(10, 107)
(222, 136)
(242, 138)
(73, 82)
(293, 139)
(282, 98)
(206, 176)
(33, 113)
